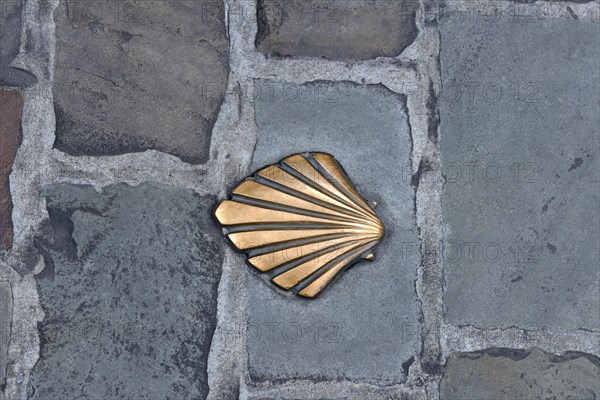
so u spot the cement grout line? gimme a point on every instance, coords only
(309, 390)
(555, 341)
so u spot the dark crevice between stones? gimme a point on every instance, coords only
(520, 354)
(415, 180)
(256, 378)
(572, 13)
(406, 365)
(432, 114)
(263, 23)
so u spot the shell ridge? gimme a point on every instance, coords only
(255, 239)
(291, 264)
(294, 276)
(290, 244)
(236, 213)
(291, 209)
(272, 226)
(252, 189)
(316, 186)
(346, 257)
(285, 189)
(355, 197)
(328, 277)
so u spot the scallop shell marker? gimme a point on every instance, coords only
(301, 221)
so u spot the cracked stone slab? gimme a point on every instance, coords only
(336, 29)
(129, 293)
(519, 374)
(11, 105)
(6, 306)
(364, 326)
(10, 41)
(519, 149)
(132, 76)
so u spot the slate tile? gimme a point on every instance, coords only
(129, 293)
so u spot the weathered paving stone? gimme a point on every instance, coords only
(138, 75)
(519, 374)
(11, 105)
(10, 41)
(6, 305)
(336, 29)
(364, 326)
(129, 294)
(519, 123)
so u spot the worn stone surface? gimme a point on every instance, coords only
(10, 40)
(519, 123)
(520, 374)
(11, 105)
(6, 305)
(133, 76)
(336, 29)
(129, 293)
(364, 326)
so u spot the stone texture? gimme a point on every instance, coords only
(10, 41)
(132, 76)
(518, 374)
(11, 105)
(573, 1)
(336, 29)
(129, 293)
(364, 326)
(6, 306)
(519, 123)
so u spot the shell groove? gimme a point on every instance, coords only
(301, 221)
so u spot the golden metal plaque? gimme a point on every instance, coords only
(301, 221)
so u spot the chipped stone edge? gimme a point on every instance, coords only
(232, 143)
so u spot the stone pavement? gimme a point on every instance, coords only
(472, 124)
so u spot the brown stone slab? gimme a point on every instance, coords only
(132, 76)
(11, 105)
(336, 29)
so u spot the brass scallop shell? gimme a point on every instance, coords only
(301, 221)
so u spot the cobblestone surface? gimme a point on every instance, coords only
(129, 294)
(138, 116)
(520, 159)
(511, 374)
(352, 331)
(139, 75)
(336, 29)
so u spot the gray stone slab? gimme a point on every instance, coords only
(6, 309)
(129, 293)
(519, 374)
(519, 139)
(10, 41)
(138, 75)
(364, 326)
(336, 29)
